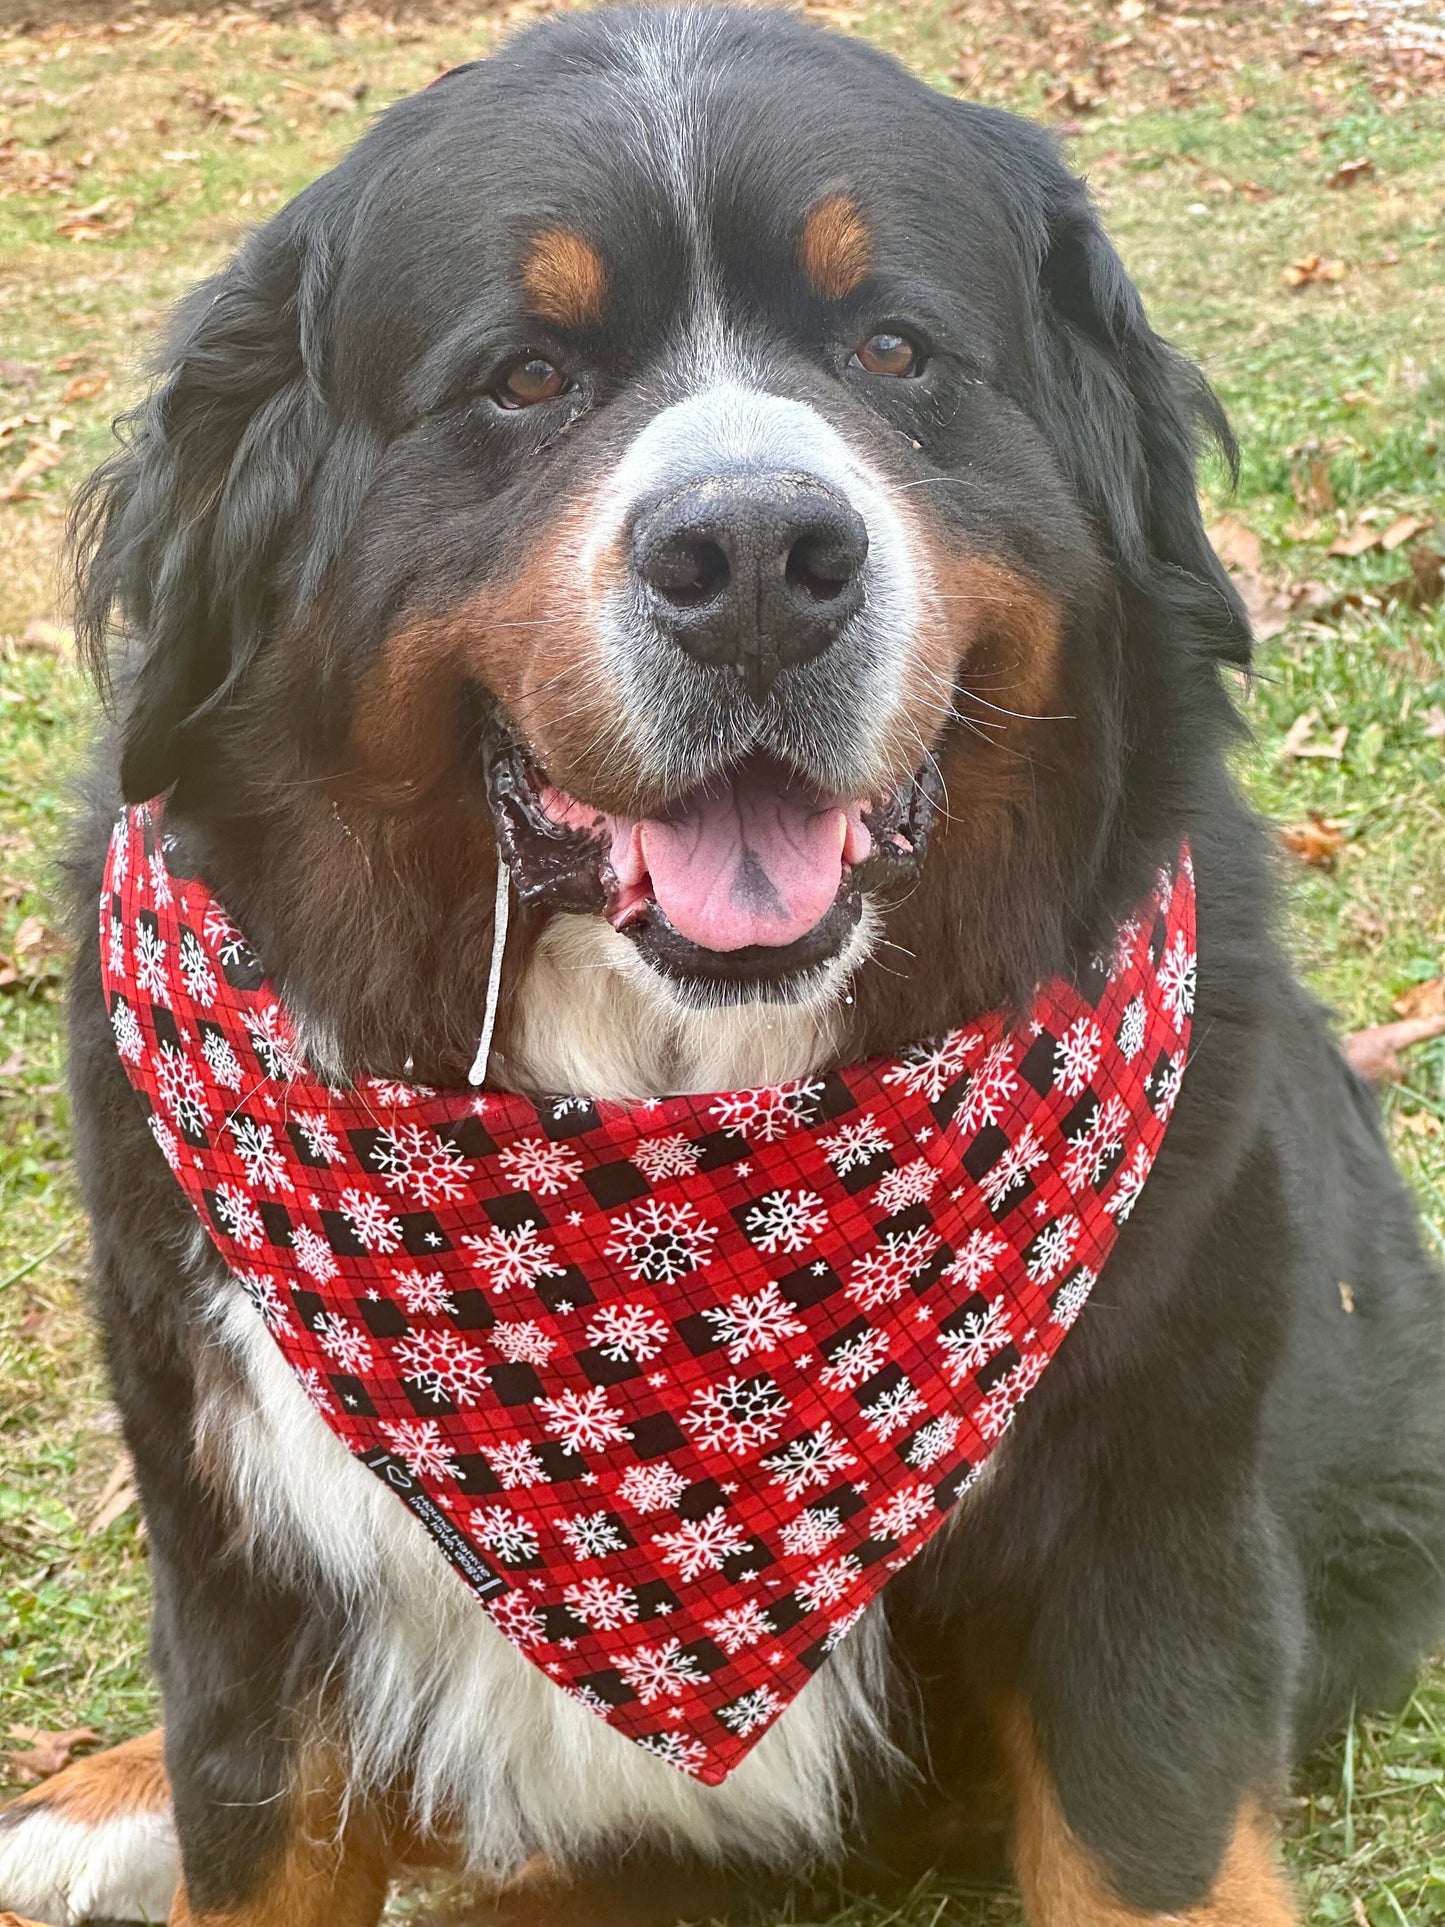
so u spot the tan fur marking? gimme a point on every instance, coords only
(1063, 1884)
(565, 278)
(129, 1778)
(835, 248)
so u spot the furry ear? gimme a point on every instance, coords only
(1127, 412)
(180, 532)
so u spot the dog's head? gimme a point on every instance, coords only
(742, 477)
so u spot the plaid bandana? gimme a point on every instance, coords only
(676, 1386)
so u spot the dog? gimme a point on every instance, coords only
(676, 432)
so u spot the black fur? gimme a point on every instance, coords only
(1221, 1517)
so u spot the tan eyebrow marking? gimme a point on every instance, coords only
(835, 247)
(565, 278)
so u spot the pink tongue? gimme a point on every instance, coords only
(747, 864)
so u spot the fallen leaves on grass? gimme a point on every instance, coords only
(1317, 841)
(1367, 534)
(1375, 1052)
(85, 387)
(1348, 172)
(117, 1496)
(103, 218)
(44, 1752)
(1421, 1000)
(35, 955)
(1238, 548)
(41, 456)
(1311, 269)
(1300, 740)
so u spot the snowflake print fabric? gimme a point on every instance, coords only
(678, 1386)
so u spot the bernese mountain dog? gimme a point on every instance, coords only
(688, 458)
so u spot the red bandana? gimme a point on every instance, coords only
(675, 1386)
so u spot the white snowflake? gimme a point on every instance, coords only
(120, 848)
(519, 1621)
(1078, 1054)
(688, 1756)
(200, 979)
(912, 1183)
(853, 1145)
(116, 947)
(661, 1242)
(224, 938)
(504, 1532)
(812, 1532)
(996, 1414)
(389, 1095)
(315, 1388)
(667, 1157)
(652, 1488)
(321, 1139)
(591, 1535)
(313, 1254)
(756, 1323)
(933, 1441)
(737, 1415)
(1073, 1297)
(442, 1365)
(978, 1255)
(1131, 1029)
(265, 1294)
(424, 1294)
(785, 1220)
(989, 1089)
(513, 1257)
(160, 881)
(421, 1166)
(652, 1671)
(701, 1545)
(1125, 1195)
(1167, 1085)
(829, 1581)
(927, 1069)
(1091, 1147)
(626, 1332)
(273, 1043)
(892, 1410)
(1023, 1155)
(420, 1444)
(839, 1629)
(165, 1137)
(225, 1067)
(886, 1272)
(181, 1089)
(1178, 974)
(256, 1148)
(814, 1458)
(856, 1360)
(150, 964)
(537, 1165)
(239, 1217)
(370, 1220)
(980, 1336)
(741, 1626)
(769, 1113)
(562, 1106)
(583, 1420)
(1053, 1249)
(128, 1038)
(522, 1341)
(908, 1507)
(514, 1463)
(755, 1709)
(343, 1341)
(603, 1603)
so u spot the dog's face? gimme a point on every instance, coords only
(700, 438)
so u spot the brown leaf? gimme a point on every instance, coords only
(1401, 529)
(117, 1495)
(45, 1752)
(75, 359)
(1236, 545)
(1360, 538)
(1419, 1123)
(1425, 584)
(83, 387)
(1317, 841)
(1313, 489)
(1421, 1000)
(41, 456)
(1348, 172)
(101, 219)
(1298, 734)
(1311, 268)
(1373, 1052)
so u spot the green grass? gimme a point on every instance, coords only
(190, 131)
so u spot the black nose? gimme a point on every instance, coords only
(758, 572)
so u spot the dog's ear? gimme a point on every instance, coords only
(1128, 413)
(180, 532)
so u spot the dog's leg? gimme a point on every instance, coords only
(96, 1841)
(1064, 1884)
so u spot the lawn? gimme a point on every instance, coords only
(1275, 179)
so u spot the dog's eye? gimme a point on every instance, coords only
(529, 381)
(888, 354)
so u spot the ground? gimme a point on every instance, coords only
(1275, 179)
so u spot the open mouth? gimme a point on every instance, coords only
(754, 876)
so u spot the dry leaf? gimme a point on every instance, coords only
(1310, 268)
(41, 456)
(1313, 489)
(1373, 1053)
(117, 1495)
(1236, 545)
(1317, 841)
(1359, 539)
(1421, 1000)
(45, 1752)
(1298, 734)
(1348, 172)
(83, 387)
(65, 363)
(1419, 1123)
(1401, 529)
(96, 222)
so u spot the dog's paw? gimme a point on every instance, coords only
(96, 1842)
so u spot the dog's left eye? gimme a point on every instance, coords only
(888, 354)
(529, 381)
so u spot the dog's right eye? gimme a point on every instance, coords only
(530, 381)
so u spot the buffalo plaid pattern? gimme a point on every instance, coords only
(675, 1386)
